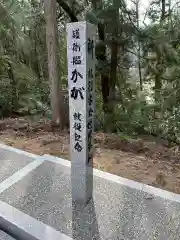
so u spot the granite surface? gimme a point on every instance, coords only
(5, 236)
(115, 213)
(9, 166)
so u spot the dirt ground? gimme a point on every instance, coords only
(143, 160)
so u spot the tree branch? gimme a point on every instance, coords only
(68, 10)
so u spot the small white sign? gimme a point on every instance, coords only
(81, 80)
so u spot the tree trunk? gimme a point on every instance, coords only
(114, 58)
(98, 6)
(104, 75)
(113, 74)
(139, 70)
(68, 10)
(52, 48)
(163, 10)
(158, 86)
(139, 48)
(158, 81)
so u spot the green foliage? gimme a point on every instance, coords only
(19, 58)
(24, 86)
(92, 18)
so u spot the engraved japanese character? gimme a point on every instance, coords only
(77, 116)
(90, 46)
(90, 99)
(76, 60)
(89, 157)
(75, 92)
(90, 73)
(77, 126)
(89, 125)
(90, 112)
(75, 34)
(76, 47)
(89, 140)
(78, 147)
(78, 137)
(75, 75)
(90, 86)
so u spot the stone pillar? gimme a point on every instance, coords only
(81, 80)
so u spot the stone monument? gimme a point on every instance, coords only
(81, 80)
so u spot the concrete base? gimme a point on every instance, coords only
(40, 204)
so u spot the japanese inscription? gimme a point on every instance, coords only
(91, 46)
(81, 77)
(77, 88)
(77, 126)
(76, 47)
(90, 50)
(76, 60)
(81, 87)
(75, 33)
(77, 92)
(81, 74)
(75, 75)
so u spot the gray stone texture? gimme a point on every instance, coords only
(8, 166)
(81, 121)
(5, 236)
(115, 213)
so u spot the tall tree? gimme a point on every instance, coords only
(101, 54)
(114, 54)
(137, 7)
(163, 10)
(52, 47)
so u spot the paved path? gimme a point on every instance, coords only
(120, 210)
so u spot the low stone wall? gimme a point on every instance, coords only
(7, 152)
